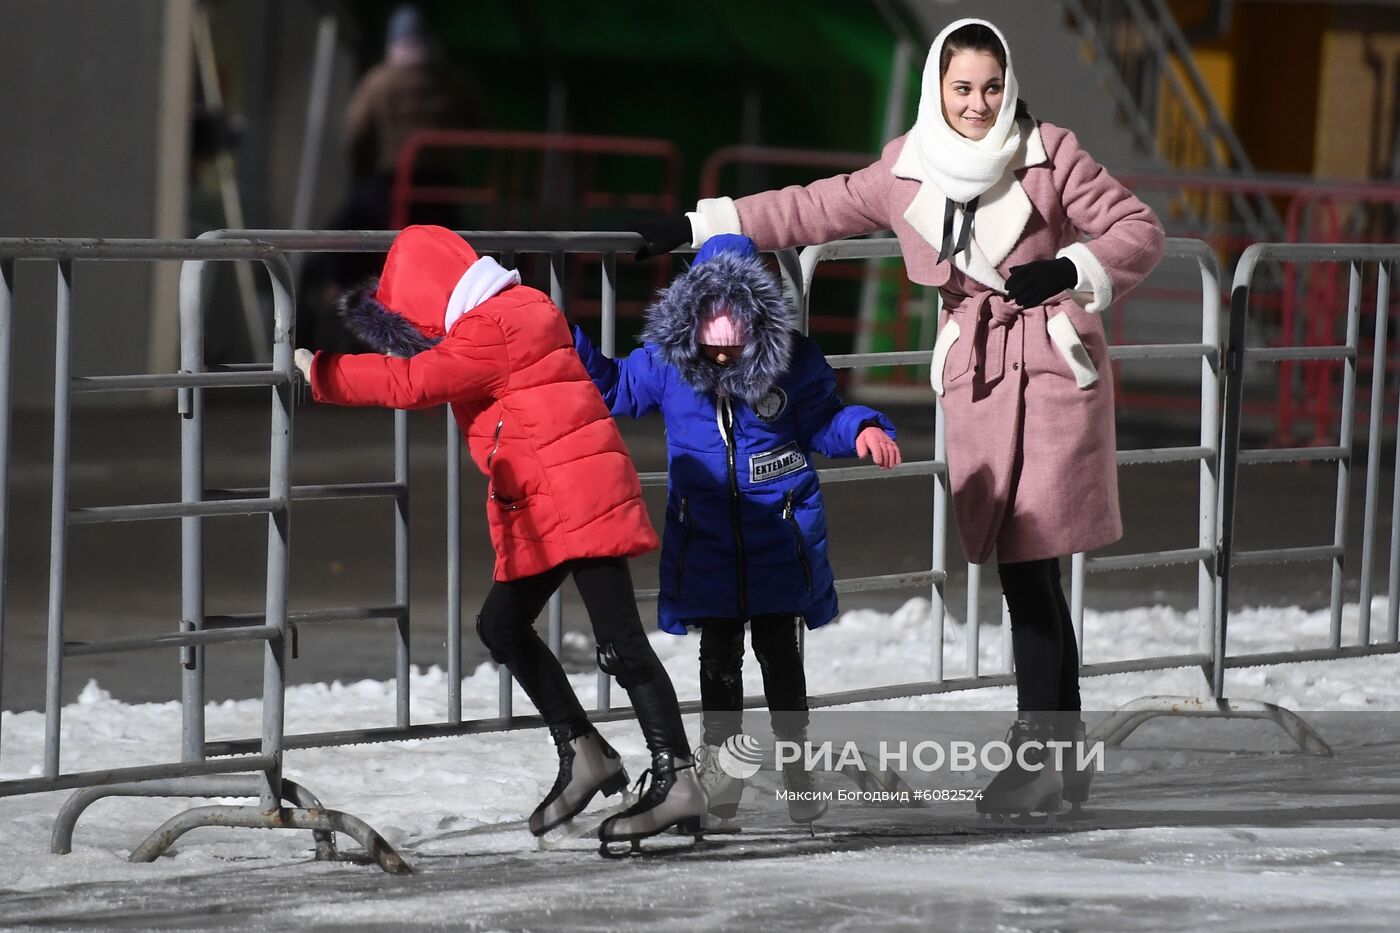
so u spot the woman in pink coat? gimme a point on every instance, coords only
(1027, 238)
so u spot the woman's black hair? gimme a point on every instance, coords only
(974, 37)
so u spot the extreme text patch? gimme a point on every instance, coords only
(772, 464)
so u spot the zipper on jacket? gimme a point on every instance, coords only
(685, 546)
(724, 417)
(495, 443)
(790, 516)
(495, 446)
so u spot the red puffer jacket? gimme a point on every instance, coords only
(562, 483)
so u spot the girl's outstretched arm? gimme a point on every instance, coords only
(468, 365)
(631, 385)
(828, 425)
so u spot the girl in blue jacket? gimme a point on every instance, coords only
(746, 399)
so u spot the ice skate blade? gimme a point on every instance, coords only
(580, 825)
(1012, 820)
(688, 826)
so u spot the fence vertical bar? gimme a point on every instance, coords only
(505, 692)
(1210, 440)
(1339, 537)
(974, 587)
(1373, 456)
(556, 601)
(454, 569)
(1008, 655)
(7, 298)
(191, 409)
(1076, 601)
(279, 488)
(938, 589)
(401, 588)
(609, 337)
(1229, 460)
(58, 516)
(1392, 609)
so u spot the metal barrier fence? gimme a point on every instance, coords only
(799, 271)
(1355, 256)
(1294, 305)
(191, 777)
(1206, 454)
(194, 775)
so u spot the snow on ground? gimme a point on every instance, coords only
(455, 806)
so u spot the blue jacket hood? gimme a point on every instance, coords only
(725, 272)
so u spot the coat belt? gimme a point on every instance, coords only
(987, 349)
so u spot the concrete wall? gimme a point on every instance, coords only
(81, 110)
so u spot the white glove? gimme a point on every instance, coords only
(303, 359)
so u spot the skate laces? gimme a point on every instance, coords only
(651, 787)
(644, 788)
(563, 744)
(706, 765)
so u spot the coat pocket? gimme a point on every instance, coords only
(946, 338)
(1072, 349)
(790, 516)
(516, 519)
(687, 532)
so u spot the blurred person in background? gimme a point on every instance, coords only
(413, 88)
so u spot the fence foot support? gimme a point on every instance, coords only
(375, 846)
(214, 785)
(1121, 723)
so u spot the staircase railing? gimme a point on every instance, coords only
(1149, 68)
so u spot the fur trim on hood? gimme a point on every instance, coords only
(380, 328)
(751, 291)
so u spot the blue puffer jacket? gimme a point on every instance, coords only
(745, 530)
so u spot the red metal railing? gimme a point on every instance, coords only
(522, 180)
(505, 176)
(1309, 311)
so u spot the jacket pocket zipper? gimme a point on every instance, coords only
(790, 516)
(501, 501)
(685, 546)
(495, 443)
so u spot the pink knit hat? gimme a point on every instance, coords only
(720, 328)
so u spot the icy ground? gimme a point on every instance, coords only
(1197, 824)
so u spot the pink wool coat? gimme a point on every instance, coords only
(1031, 441)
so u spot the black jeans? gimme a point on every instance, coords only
(722, 678)
(507, 628)
(1042, 636)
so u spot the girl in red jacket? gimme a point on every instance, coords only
(564, 499)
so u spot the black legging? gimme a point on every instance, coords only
(507, 628)
(1042, 636)
(722, 678)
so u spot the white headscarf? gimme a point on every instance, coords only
(964, 168)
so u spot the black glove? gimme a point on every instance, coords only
(663, 234)
(1033, 283)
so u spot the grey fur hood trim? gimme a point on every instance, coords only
(752, 292)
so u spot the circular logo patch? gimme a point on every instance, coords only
(771, 405)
